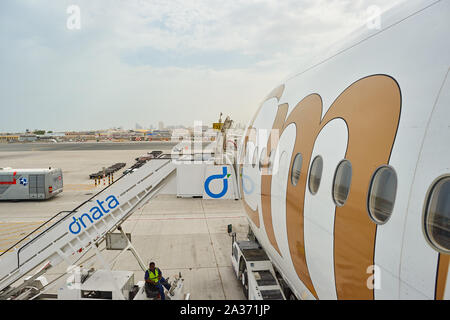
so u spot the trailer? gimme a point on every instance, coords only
(107, 171)
(30, 184)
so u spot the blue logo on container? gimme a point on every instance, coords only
(23, 181)
(223, 176)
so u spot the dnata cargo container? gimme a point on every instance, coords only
(24, 184)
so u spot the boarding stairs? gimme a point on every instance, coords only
(53, 242)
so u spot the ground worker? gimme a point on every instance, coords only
(153, 277)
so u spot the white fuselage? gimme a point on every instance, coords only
(382, 102)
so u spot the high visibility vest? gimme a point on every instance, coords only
(153, 276)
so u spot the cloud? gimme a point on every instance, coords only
(146, 61)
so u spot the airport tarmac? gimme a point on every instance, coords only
(180, 235)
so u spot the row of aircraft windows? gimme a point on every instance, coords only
(381, 196)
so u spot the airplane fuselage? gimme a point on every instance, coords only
(346, 166)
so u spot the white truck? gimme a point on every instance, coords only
(253, 267)
(26, 184)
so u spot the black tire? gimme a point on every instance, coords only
(291, 296)
(288, 294)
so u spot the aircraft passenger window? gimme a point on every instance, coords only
(271, 160)
(263, 159)
(296, 167)
(247, 160)
(382, 192)
(315, 174)
(437, 216)
(342, 181)
(255, 157)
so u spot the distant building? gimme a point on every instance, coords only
(27, 137)
(9, 138)
(80, 136)
(160, 125)
(50, 137)
(174, 127)
(116, 134)
(139, 135)
(160, 135)
(179, 134)
(56, 134)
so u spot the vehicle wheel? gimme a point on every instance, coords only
(244, 280)
(292, 296)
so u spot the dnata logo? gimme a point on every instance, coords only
(23, 181)
(224, 176)
(95, 213)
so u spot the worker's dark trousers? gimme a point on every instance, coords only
(160, 285)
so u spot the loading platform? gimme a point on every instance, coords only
(68, 234)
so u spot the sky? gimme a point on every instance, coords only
(136, 61)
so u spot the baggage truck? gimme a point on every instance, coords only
(25, 184)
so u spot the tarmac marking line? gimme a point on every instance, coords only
(23, 222)
(18, 232)
(12, 238)
(25, 226)
(18, 222)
